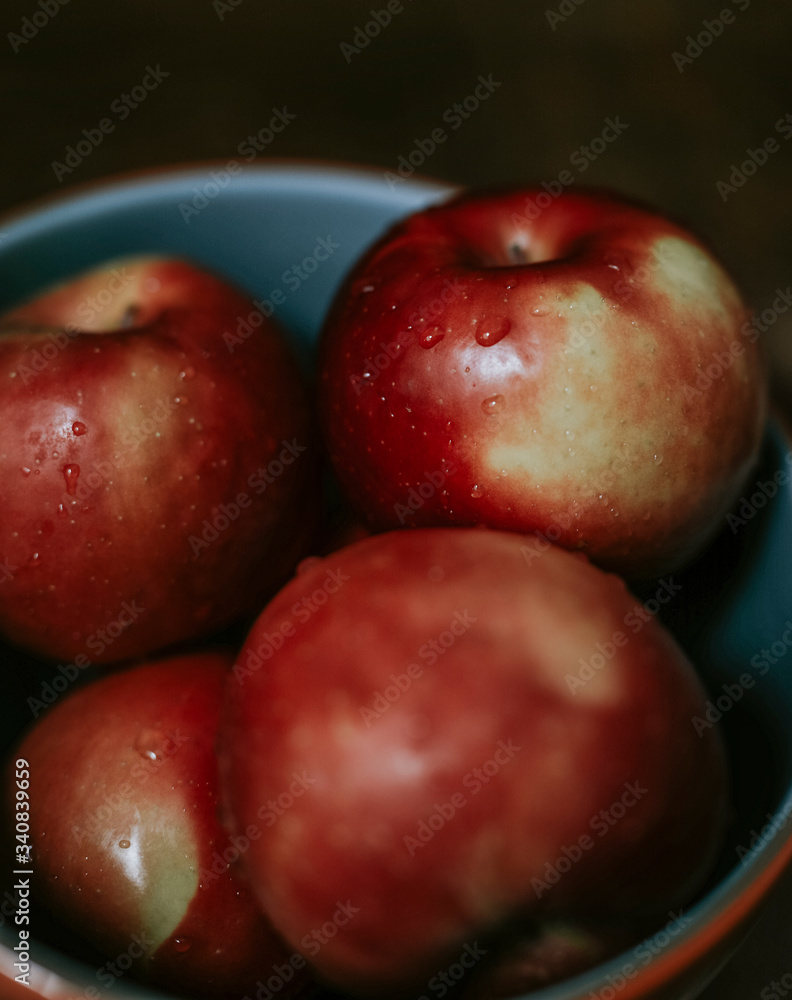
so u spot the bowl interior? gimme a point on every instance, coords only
(261, 229)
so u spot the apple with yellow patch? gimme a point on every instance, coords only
(576, 366)
(126, 845)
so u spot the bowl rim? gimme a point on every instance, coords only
(726, 907)
(138, 181)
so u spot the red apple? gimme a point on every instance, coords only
(126, 846)
(486, 729)
(575, 366)
(156, 467)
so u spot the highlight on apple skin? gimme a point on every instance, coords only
(158, 476)
(576, 366)
(454, 761)
(129, 853)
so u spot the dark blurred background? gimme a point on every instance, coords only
(700, 92)
(697, 83)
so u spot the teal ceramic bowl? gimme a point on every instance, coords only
(736, 600)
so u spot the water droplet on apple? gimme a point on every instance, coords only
(492, 404)
(658, 459)
(78, 428)
(35, 560)
(149, 744)
(540, 311)
(25, 471)
(188, 373)
(569, 435)
(124, 845)
(181, 400)
(477, 492)
(493, 331)
(61, 510)
(182, 944)
(431, 336)
(71, 473)
(363, 286)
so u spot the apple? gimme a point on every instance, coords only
(125, 842)
(157, 467)
(571, 365)
(481, 735)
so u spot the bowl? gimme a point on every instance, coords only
(253, 227)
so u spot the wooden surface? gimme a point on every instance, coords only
(218, 72)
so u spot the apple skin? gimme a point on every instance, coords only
(545, 370)
(126, 448)
(126, 843)
(368, 692)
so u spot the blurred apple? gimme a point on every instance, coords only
(126, 847)
(563, 363)
(481, 738)
(156, 464)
